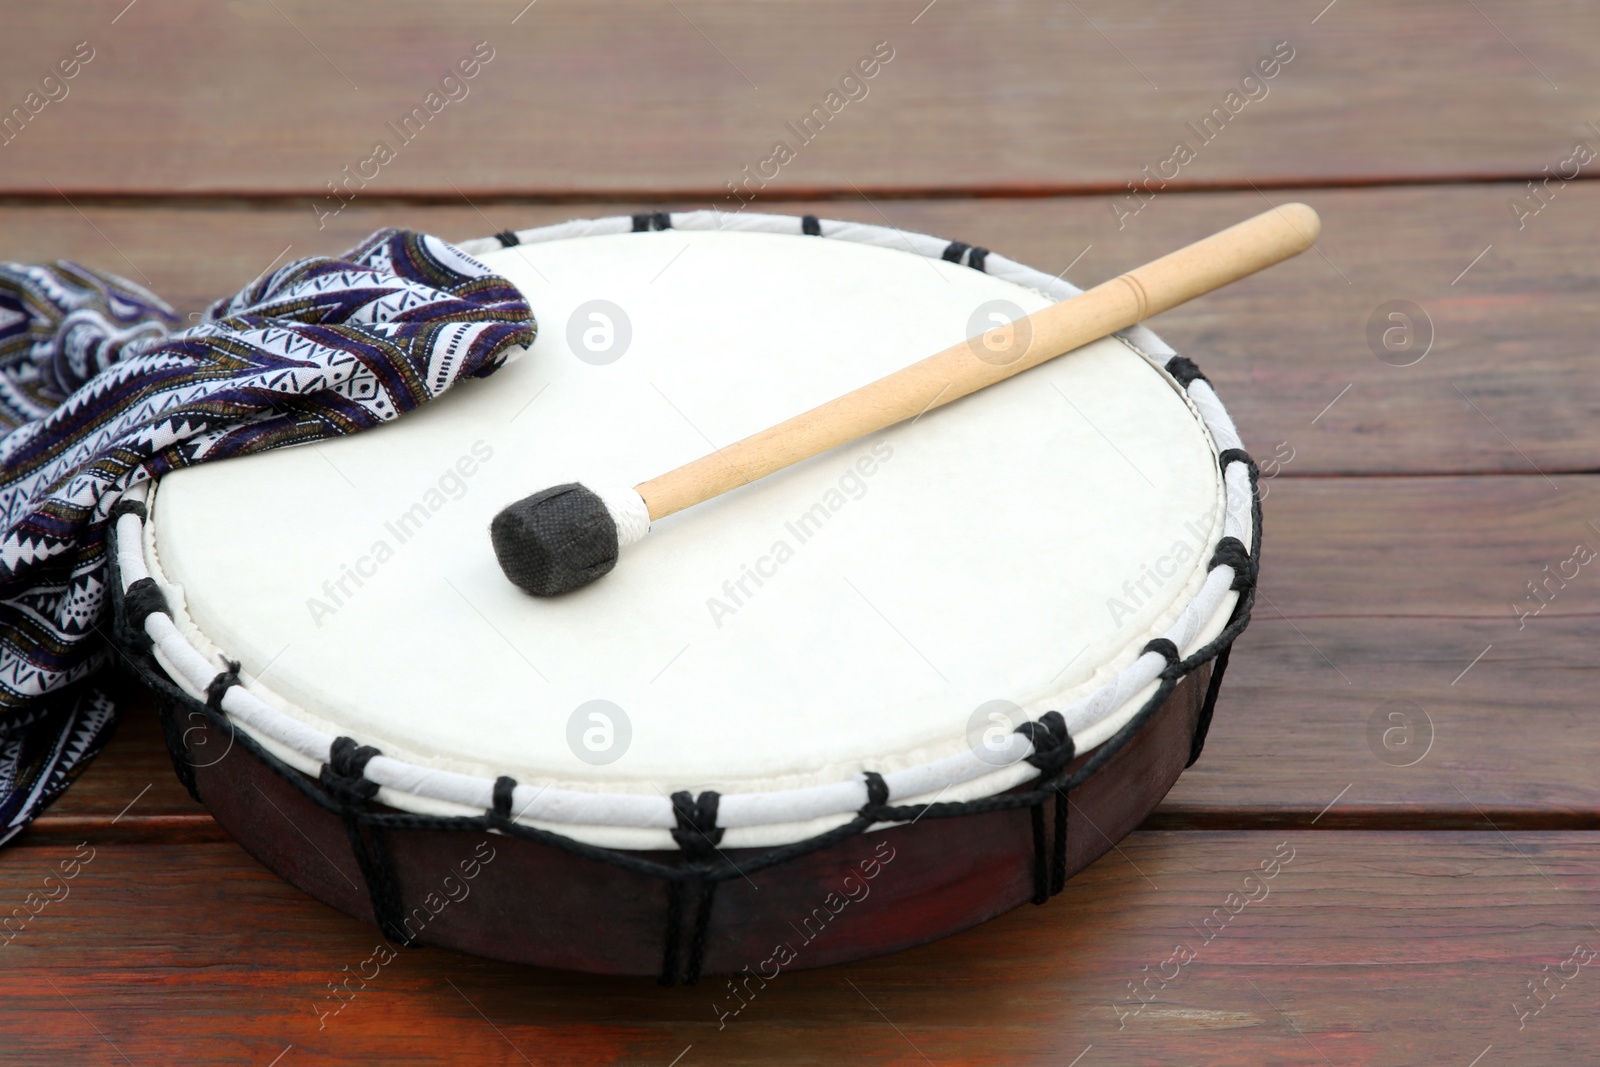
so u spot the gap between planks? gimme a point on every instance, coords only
(57, 830)
(250, 199)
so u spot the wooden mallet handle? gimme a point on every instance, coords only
(566, 536)
(1208, 264)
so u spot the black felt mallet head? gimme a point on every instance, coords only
(555, 540)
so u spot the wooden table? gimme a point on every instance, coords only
(1437, 875)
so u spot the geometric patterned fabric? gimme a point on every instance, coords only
(100, 391)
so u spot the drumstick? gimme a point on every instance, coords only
(568, 535)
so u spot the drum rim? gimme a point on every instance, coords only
(1231, 569)
(691, 933)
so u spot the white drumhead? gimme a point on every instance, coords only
(848, 614)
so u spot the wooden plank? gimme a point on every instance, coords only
(1403, 743)
(1502, 389)
(1380, 596)
(1387, 597)
(281, 97)
(195, 954)
(1450, 548)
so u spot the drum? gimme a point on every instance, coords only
(874, 699)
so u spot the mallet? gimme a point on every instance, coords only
(568, 535)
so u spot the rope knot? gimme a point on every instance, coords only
(344, 773)
(877, 790)
(698, 833)
(1231, 553)
(1053, 747)
(1163, 647)
(224, 681)
(504, 787)
(141, 600)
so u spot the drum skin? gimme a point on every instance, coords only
(528, 902)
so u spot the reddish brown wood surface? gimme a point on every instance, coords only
(280, 96)
(1503, 389)
(1363, 948)
(1410, 506)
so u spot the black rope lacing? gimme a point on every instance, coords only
(698, 836)
(342, 787)
(344, 778)
(653, 220)
(1053, 749)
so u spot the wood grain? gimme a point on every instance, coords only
(1503, 390)
(1510, 744)
(1397, 595)
(1362, 948)
(196, 148)
(628, 97)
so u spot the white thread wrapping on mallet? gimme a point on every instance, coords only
(628, 510)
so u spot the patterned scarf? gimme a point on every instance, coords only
(98, 394)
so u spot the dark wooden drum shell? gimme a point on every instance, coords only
(528, 901)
